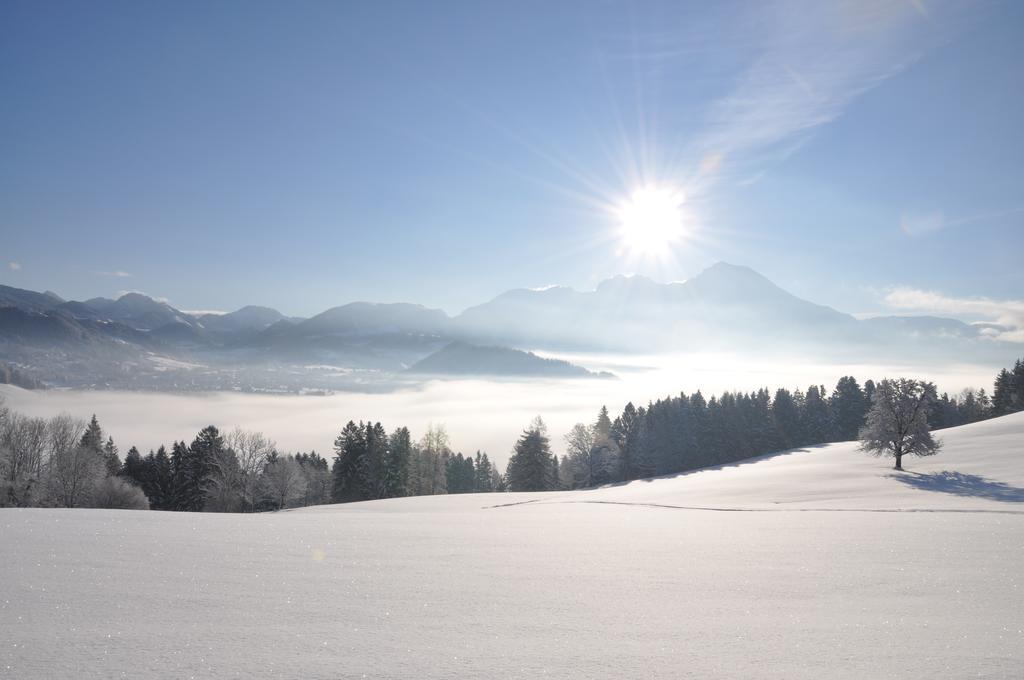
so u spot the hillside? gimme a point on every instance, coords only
(463, 359)
(836, 569)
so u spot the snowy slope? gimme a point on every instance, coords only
(980, 467)
(451, 587)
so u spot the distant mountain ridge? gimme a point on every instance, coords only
(724, 308)
(725, 301)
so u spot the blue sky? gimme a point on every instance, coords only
(303, 155)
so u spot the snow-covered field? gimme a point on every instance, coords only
(817, 563)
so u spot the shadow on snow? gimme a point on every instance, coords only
(959, 484)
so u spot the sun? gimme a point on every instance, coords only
(651, 220)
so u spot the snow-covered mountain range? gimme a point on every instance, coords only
(725, 308)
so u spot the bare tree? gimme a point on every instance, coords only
(225, 483)
(251, 450)
(897, 424)
(73, 469)
(317, 487)
(427, 463)
(579, 449)
(593, 456)
(284, 481)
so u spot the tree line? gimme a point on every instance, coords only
(688, 432)
(63, 462)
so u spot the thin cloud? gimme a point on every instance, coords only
(915, 224)
(997, 319)
(814, 60)
(117, 274)
(14, 266)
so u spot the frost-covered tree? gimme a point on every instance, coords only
(592, 455)
(897, 424)
(116, 493)
(74, 468)
(22, 453)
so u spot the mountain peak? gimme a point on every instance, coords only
(723, 269)
(133, 296)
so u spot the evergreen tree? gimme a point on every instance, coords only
(849, 408)
(375, 480)
(973, 406)
(348, 471)
(943, 413)
(625, 432)
(816, 423)
(317, 476)
(566, 478)
(397, 469)
(603, 426)
(203, 456)
(159, 486)
(869, 391)
(1017, 397)
(133, 468)
(92, 438)
(529, 468)
(1003, 394)
(460, 474)
(110, 458)
(483, 474)
(179, 491)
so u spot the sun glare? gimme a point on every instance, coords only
(651, 220)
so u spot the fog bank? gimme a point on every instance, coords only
(479, 414)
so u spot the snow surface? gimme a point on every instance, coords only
(816, 563)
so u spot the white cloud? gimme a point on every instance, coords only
(200, 312)
(14, 266)
(914, 224)
(117, 274)
(999, 319)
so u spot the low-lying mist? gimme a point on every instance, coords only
(479, 414)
